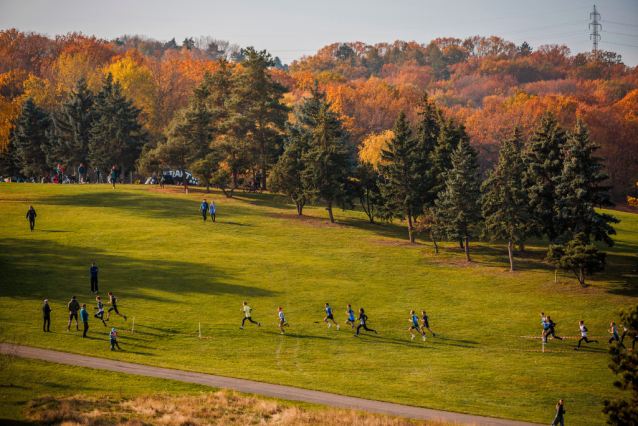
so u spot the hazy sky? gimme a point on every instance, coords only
(290, 29)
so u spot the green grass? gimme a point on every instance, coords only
(173, 272)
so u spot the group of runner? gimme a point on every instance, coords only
(548, 330)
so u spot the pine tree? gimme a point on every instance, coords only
(286, 176)
(428, 130)
(401, 188)
(580, 188)
(544, 164)
(116, 137)
(459, 204)
(367, 189)
(623, 412)
(73, 124)
(506, 203)
(30, 139)
(328, 164)
(577, 256)
(257, 100)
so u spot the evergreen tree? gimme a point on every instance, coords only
(401, 188)
(428, 130)
(459, 204)
(580, 188)
(9, 165)
(116, 137)
(429, 223)
(544, 164)
(286, 177)
(260, 114)
(205, 169)
(368, 190)
(577, 256)
(506, 204)
(30, 139)
(71, 137)
(327, 161)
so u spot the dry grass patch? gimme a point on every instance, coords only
(219, 408)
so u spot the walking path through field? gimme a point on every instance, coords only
(248, 386)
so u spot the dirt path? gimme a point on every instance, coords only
(248, 386)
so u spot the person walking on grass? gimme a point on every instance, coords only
(204, 208)
(213, 210)
(282, 320)
(93, 271)
(363, 318)
(31, 217)
(113, 339)
(350, 321)
(550, 330)
(46, 312)
(560, 412)
(113, 176)
(113, 301)
(330, 317)
(74, 307)
(614, 335)
(100, 310)
(84, 316)
(415, 325)
(426, 324)
(247, 311)
(583, 335)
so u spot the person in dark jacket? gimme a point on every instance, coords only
(84, 316)
(113, 176)
(363, 318)
(74, 307)
(560, 412)
(31, 217)
(46, 311)
(93, 271)
(550, 330)
(81, 171)
(204, 208)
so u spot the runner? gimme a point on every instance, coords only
(84, 316)
(74, 307)
(426, 324)
(46, 311)
(113, 176)
(330, 317)
(614, 335)
(624, 333)
(113, 301)
(204, 208)
(93, 271)
(282, 320)
(113, 338)
(583, 335)
(560, 412)
(545, 326)
(633, 342)
(31, 217)
(213, 210)
(415, 325)
(100, 310)
(362, 320)
(350, 314)
(550, 330)
(247, 310)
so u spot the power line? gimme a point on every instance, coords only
(621, 23)
(618, 8)
(628, 35)
(620, 44)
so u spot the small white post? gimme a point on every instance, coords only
(556, 276)
(543, 342)
(133, 327)
(200, 330)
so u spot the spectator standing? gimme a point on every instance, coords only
(84, 316)
(59, 171)
(81, 172)
(46, 311)
(31, 217)
(113, 176)
(93, 271)
(162, 181)
(74, 307)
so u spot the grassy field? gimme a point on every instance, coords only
(172, 272)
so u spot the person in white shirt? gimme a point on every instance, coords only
(583, 335)
(282, 320)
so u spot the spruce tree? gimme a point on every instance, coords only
(367, 188)
(580, 188)
(328, 165)
(286, 176)
(116, 137)
(459, 204)
(30, 139)
(544, 164)
(578, 256)
(71, 137)
(428, 129)
(506, 203)
(401, 188)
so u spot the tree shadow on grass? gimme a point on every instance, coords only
(46, 269)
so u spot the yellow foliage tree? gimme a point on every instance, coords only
(9, 108)
(136, 81)
(370, 151)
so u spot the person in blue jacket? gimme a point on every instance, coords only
(330, 316)
(204, 208)
(93, 271)
(84, 316)
(213, 210)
